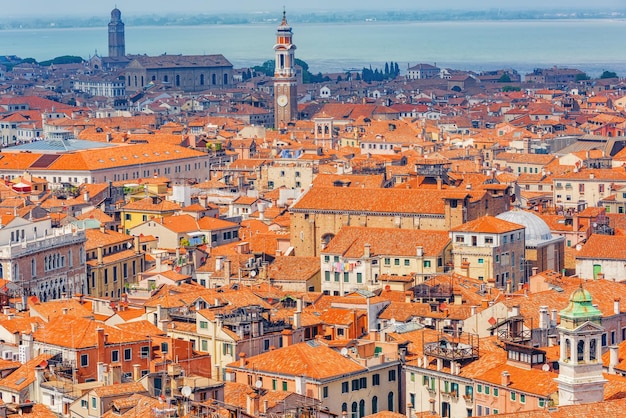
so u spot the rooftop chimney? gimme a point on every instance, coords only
(136, 372)
(137, 244)
(287, 336)
(252, 404)
(544, 322)
(506, 379)
(227, 272)
(616, 306)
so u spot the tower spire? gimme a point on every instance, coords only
(285, 81)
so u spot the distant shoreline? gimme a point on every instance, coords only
(266, 18)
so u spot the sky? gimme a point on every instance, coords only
(139, 7)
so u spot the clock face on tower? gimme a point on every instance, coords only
(282, 100)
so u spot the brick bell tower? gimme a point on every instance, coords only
(117, 45)
(285, 82)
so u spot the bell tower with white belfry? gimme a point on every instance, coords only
(285, 82)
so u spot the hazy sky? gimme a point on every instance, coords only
(135, 7)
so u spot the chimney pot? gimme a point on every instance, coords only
(506, 378)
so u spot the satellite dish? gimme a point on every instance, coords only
(252, 273)
(344, 351)
(186, 391)
(545, 367)
(258, 384)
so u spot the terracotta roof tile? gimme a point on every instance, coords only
(604, 247)
(54, 308)
(72, 332)
(23, 376)
(293, 268)
(314, 360)
(488, 224)
(350, 241)
(376, 200)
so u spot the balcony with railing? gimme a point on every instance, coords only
(59, 237)
(453, 349)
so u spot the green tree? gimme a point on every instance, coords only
(608, 74)
(582, 77)
(505, 78)
(269, 66)
(304, 65)
(65, 59)
(266, 68)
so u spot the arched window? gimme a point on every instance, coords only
(213, 79)
(202, 79)
(166, 79)
(593, 355)
(568, 349)
(177, 80)
(390, 406)
(135, 81)
(344, 407)
(355, 409)
(362, 408)
(374, 404)
(581, 350)
(225, 79)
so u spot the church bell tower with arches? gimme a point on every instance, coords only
(117, 45)
(285, 83)
(580, 378)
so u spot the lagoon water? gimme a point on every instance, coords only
(590, 45)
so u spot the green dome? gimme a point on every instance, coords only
(580, 295)
(581, 307)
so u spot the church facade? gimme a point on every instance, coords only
(189, 73)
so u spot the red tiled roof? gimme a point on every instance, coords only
(313, 360)
(488, 224)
